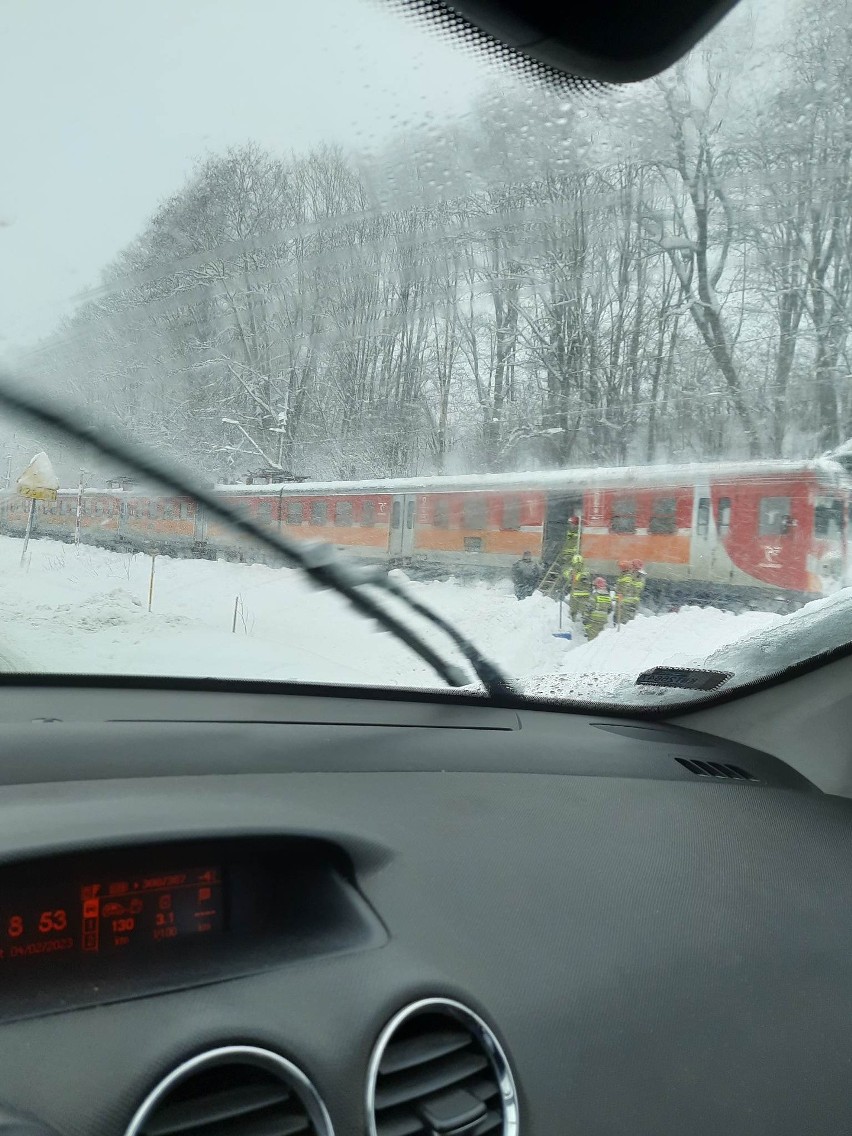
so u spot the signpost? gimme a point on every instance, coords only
(151, 580)
(38, 482)
(79, 511)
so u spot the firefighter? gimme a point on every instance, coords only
(579, 586)
(633, 596)
(572, 540)
(597, 612)
(526, 575)
(623, 589)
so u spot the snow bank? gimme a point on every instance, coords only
(84, 610)
(607, 668)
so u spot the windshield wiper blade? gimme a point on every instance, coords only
(320, 563)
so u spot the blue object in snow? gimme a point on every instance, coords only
(561, 634)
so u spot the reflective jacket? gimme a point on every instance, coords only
(638, 586)
(624, 585)
(579, 581)
(572, 543)
(600, 605)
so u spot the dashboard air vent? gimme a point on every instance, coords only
(237, 1090)
(715, 769)
(438, 1070)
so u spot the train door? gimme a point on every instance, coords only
(558, 511)
(709, 556)
(401, 539)
(199, 534)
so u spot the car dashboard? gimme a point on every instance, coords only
(265, 913)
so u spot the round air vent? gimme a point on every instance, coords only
(438, 1070)
(234, 1091)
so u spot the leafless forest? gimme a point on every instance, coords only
(659, 274)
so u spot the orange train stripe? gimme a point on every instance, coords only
(368, 536)
(452, 540)
(655, 549)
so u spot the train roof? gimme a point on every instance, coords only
(567, 480)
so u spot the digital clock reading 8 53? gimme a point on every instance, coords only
(113, 915)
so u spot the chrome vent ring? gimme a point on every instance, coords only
(238, 1086)
(437, 1067)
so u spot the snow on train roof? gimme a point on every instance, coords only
(568, 479)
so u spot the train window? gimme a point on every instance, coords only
(774, 517)
(724, 522)
(294, 512)
(153, 509)
(702, 517)
(395, 515)
(343, 512)
(441, 518)
(475, 513)
(319, 512)
(409, 514)
(663, 515)
(828, 518)
(368, 513)
(168, 510)
(623, 515)
(511, 513)
(184, 510)
(264, 510)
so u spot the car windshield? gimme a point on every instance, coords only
(571, 366)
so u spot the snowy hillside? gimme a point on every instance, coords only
(85, 611)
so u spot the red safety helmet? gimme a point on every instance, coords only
(600, 583)
(636, 565)
(624, 565)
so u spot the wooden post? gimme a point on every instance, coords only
(79, 510)
(151, 581)
(29, 530)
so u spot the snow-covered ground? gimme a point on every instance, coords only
(84, 610)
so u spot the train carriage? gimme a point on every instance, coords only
(744, 533)
(705, 533)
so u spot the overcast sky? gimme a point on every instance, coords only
(107, 104)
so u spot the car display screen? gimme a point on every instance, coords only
(129, 912)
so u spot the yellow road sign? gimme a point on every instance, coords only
(37, 494)
(39, 481)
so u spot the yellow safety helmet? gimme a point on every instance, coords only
(577, 559)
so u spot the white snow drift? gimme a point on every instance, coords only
(84, 610)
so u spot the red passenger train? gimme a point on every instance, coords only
(747, 533)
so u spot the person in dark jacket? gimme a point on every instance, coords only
(526, 575)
